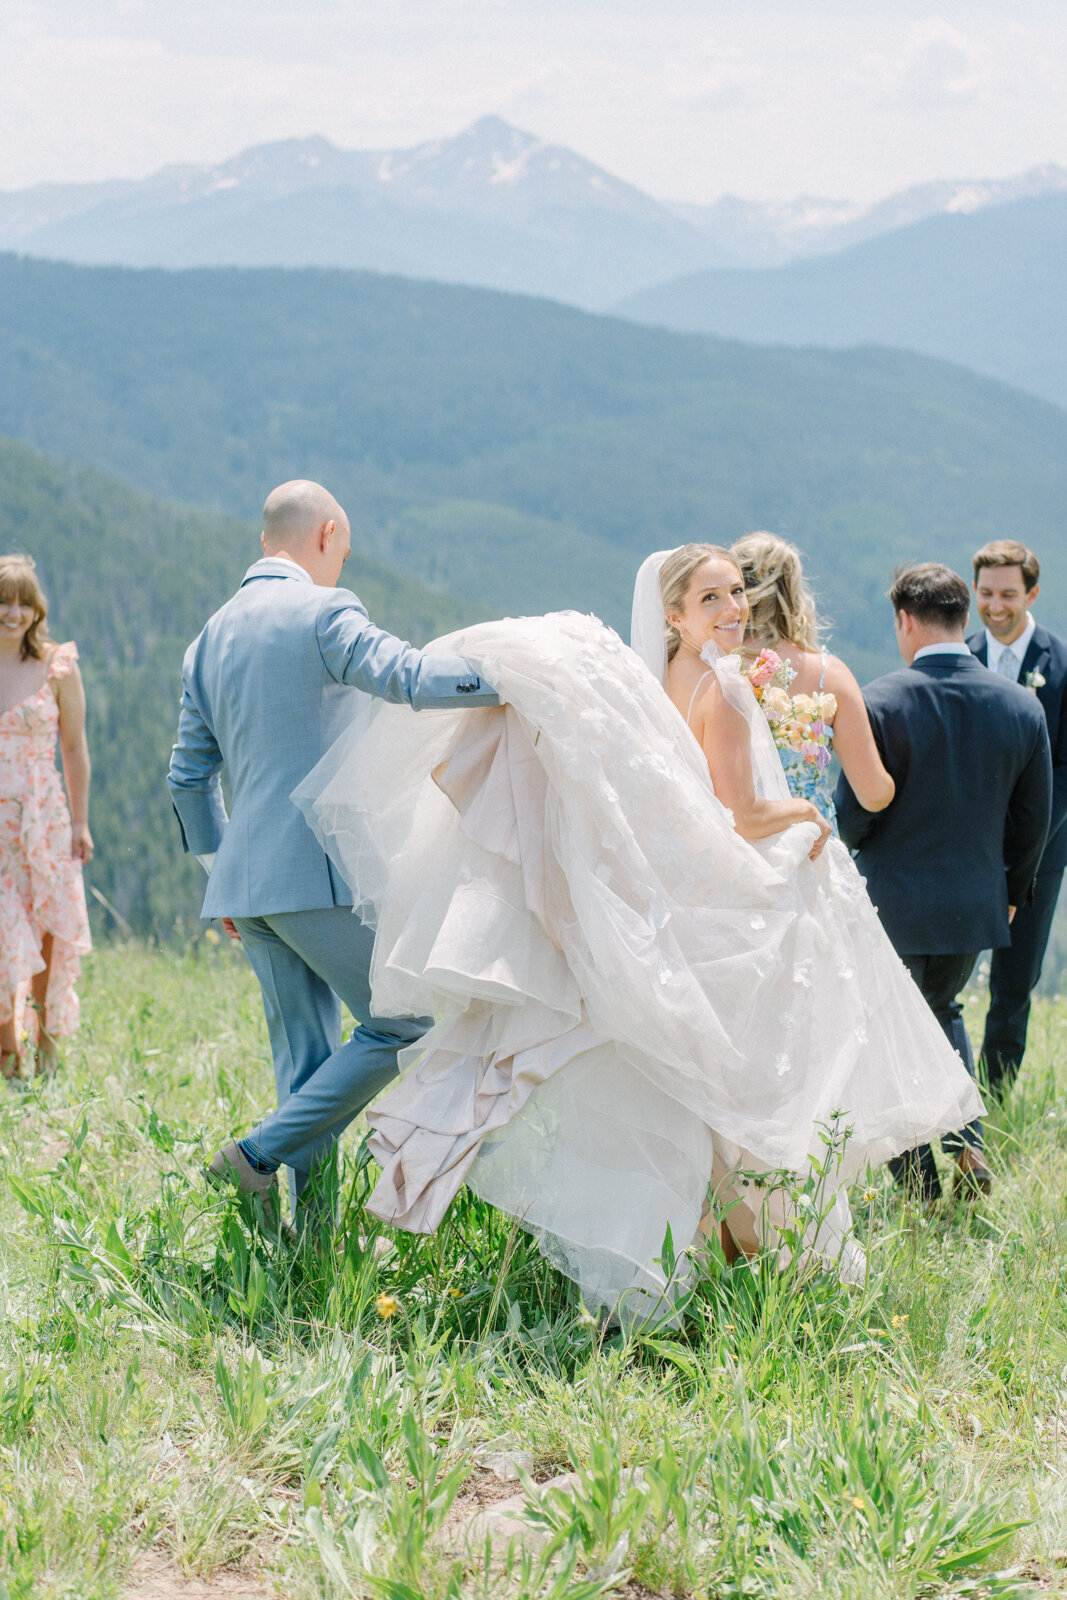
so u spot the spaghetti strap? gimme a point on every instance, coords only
(822, 670)
(709, 674)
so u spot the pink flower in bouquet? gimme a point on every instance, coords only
(764, 669)
(812, 753)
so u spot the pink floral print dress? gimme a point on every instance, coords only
(41, 888)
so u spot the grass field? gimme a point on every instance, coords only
(189, 1409)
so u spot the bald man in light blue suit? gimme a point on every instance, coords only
(268, 686)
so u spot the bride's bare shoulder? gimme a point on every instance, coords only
(698, 695)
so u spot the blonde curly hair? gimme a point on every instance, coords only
(781, 606)
(675, 576)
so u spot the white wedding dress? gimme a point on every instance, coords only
(632, 1003)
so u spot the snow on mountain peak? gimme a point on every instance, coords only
(501, 175)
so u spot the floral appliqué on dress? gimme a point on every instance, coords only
(802, 726)
(41, 890)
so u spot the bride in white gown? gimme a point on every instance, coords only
(633, 1002)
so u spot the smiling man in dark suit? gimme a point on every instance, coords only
(1015, 647)
(957, 849)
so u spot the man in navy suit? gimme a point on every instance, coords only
(956, 852)
(1015, 647)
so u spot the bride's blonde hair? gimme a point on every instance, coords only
(675, 576)
(781, 606)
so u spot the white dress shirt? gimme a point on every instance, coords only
(1017, 648)
(298, 570)
(951, 647)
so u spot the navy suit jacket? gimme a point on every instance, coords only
(962, 838)
(1047, 655)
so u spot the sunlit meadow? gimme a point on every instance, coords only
(182, 1395)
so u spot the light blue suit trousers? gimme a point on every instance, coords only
(304, 960)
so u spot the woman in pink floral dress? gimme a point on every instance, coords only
(44, 929)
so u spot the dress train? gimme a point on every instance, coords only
(633, 1004)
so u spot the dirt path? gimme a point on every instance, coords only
(153, 1578)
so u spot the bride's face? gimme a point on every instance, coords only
(715, 607)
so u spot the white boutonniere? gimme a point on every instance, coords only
(1035, 681)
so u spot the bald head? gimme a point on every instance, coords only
(304, 523)
(296, 511)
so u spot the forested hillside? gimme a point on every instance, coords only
(132, 580)
(984, 288)
(518, 453)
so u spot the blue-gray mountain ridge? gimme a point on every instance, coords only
(492, 206)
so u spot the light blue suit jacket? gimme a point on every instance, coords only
(266, 689)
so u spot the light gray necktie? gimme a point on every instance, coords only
(1007, 666)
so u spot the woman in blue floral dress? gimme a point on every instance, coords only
(809, 697)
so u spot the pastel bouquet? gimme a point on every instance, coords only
(798, 722)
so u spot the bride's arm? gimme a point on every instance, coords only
(854, 743)
(724, 738)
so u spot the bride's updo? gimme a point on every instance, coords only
(780, 604)
(675, 576)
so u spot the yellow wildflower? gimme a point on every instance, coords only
(870, 1196)
(386, 1305)
(860, 1505)
(899, 1321)
(211, 936)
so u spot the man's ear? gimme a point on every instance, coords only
(1032, 594)
(326, 535)
(263, 542)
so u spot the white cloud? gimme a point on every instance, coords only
(110, 105)
(937, 63)
(685, 98)
(717, 78)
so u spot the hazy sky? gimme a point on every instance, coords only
(687, 98)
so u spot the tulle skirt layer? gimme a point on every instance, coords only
(633, 1003)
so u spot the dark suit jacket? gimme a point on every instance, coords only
(1047, 655)
(962, 839)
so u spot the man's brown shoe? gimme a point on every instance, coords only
(973, 1177)
(230, 1168)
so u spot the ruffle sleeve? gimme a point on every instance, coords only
(62, 661)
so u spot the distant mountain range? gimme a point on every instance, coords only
(768, 234)
(493, 206)
(986, 288)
